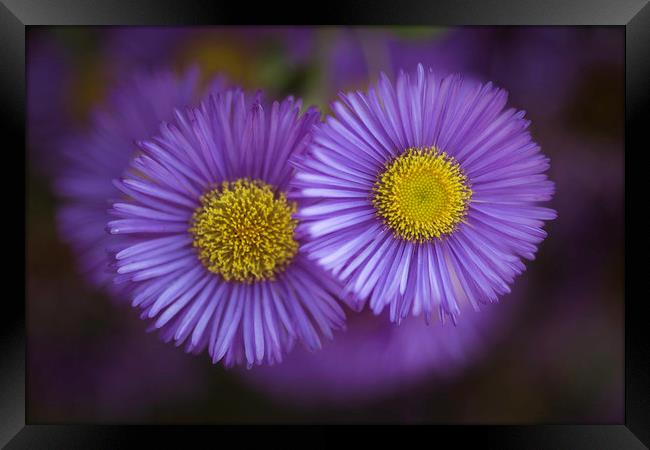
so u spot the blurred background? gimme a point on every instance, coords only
(550, 352)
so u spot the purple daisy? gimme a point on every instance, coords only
(427, 194)
(374, 358)
(215, 257)
(93, 159)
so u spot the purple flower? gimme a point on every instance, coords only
(215, 257)
(427, 194)
(93, 159)
(374, 358)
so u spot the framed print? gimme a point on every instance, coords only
(412, 215)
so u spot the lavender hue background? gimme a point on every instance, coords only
(558, 353)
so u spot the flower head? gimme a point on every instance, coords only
(374, 358)
(425, 194)
(422, 194)
(94, 158)
(215, 255)
(244, 231)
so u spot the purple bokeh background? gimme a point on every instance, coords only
(551, 351)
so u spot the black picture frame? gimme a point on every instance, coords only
(17, 15)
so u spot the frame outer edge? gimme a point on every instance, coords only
(12, 324)
(12, 30)
(637, 347)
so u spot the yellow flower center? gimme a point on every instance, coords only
(422, 194)
(244, 231)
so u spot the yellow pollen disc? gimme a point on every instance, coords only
(422, 194)
(244, 231)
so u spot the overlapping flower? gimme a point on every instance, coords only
(93, 158)
(214, 256)
(427, 194)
